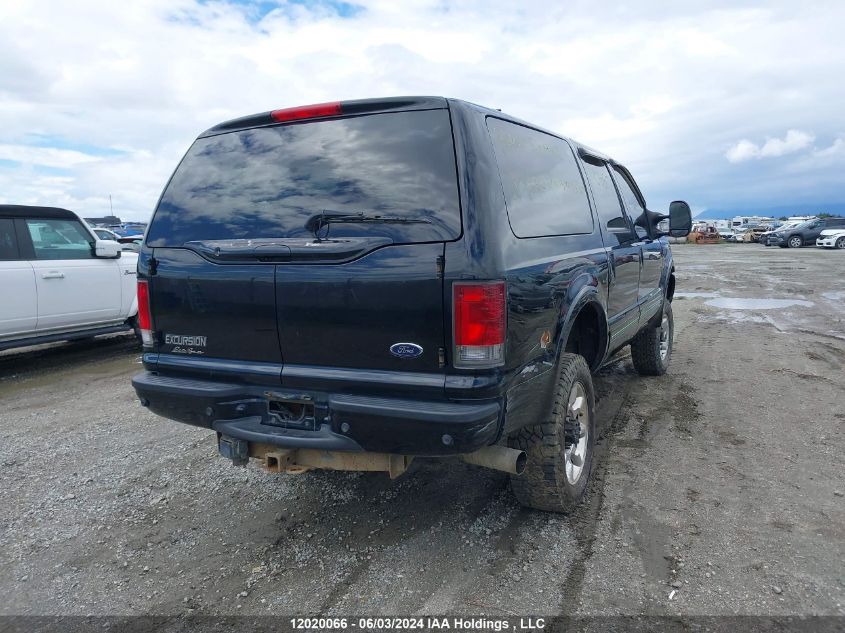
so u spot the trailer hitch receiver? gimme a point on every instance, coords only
(234, 449)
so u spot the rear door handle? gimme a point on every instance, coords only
(53, 274)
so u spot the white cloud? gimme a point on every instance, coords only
(45, 156)
(837, 148)
(794, 141)
(743, 150)
(663, 88)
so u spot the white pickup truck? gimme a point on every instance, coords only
(58, 281)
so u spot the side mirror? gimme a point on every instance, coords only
(107, 249)
(680, 219)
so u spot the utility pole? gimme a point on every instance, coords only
(111, 209)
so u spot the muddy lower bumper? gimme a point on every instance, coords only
(323, 421)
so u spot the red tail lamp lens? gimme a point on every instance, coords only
(479, 328)
(307, 112)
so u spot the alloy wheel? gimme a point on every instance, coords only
(575, 455)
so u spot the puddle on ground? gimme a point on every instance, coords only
(695, 295)
(735, 303)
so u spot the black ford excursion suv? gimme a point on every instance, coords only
(350, 285)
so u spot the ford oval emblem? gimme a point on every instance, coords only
(406, 350)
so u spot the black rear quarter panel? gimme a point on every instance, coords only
(548, 278)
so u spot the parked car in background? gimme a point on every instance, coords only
(766, 236)
(703, 234)
(105, 234)
(752, 235)
(737, 235)
(806, 233)
(66, 282)
(131, 242)
(350, 285)
(832, 238)
(128, 228)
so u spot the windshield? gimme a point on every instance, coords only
(268, 182)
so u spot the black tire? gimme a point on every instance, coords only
(546, 483)
(136, 327)
(795, 242)
(840, 243)
(651, 349)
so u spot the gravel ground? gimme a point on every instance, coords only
(719, 489)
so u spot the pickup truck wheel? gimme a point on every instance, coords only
(651, 349)
(795, 242)
(560, 450)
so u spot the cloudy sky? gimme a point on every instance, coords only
(735, 107)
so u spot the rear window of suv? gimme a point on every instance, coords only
(269, 182)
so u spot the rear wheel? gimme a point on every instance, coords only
(651, 349)
(840, 243)
(136, 327)
(795, 242)
(560, 450)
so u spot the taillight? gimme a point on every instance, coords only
(307, 112)
(479, 326)
(144, 319)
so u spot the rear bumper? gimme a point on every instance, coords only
(340, 422)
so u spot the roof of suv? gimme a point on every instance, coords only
(325, 110)
(24, 211)
(369, 106)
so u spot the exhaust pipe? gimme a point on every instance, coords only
(507, 460)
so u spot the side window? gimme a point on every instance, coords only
(544, 191)
(8, 241)
(608, 206)
(632, 203)
(59, 239)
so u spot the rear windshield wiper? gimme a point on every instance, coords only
(325, 219)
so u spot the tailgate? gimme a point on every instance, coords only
(359, 314)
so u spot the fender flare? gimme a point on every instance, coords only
(668, 270)
(587, 295)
